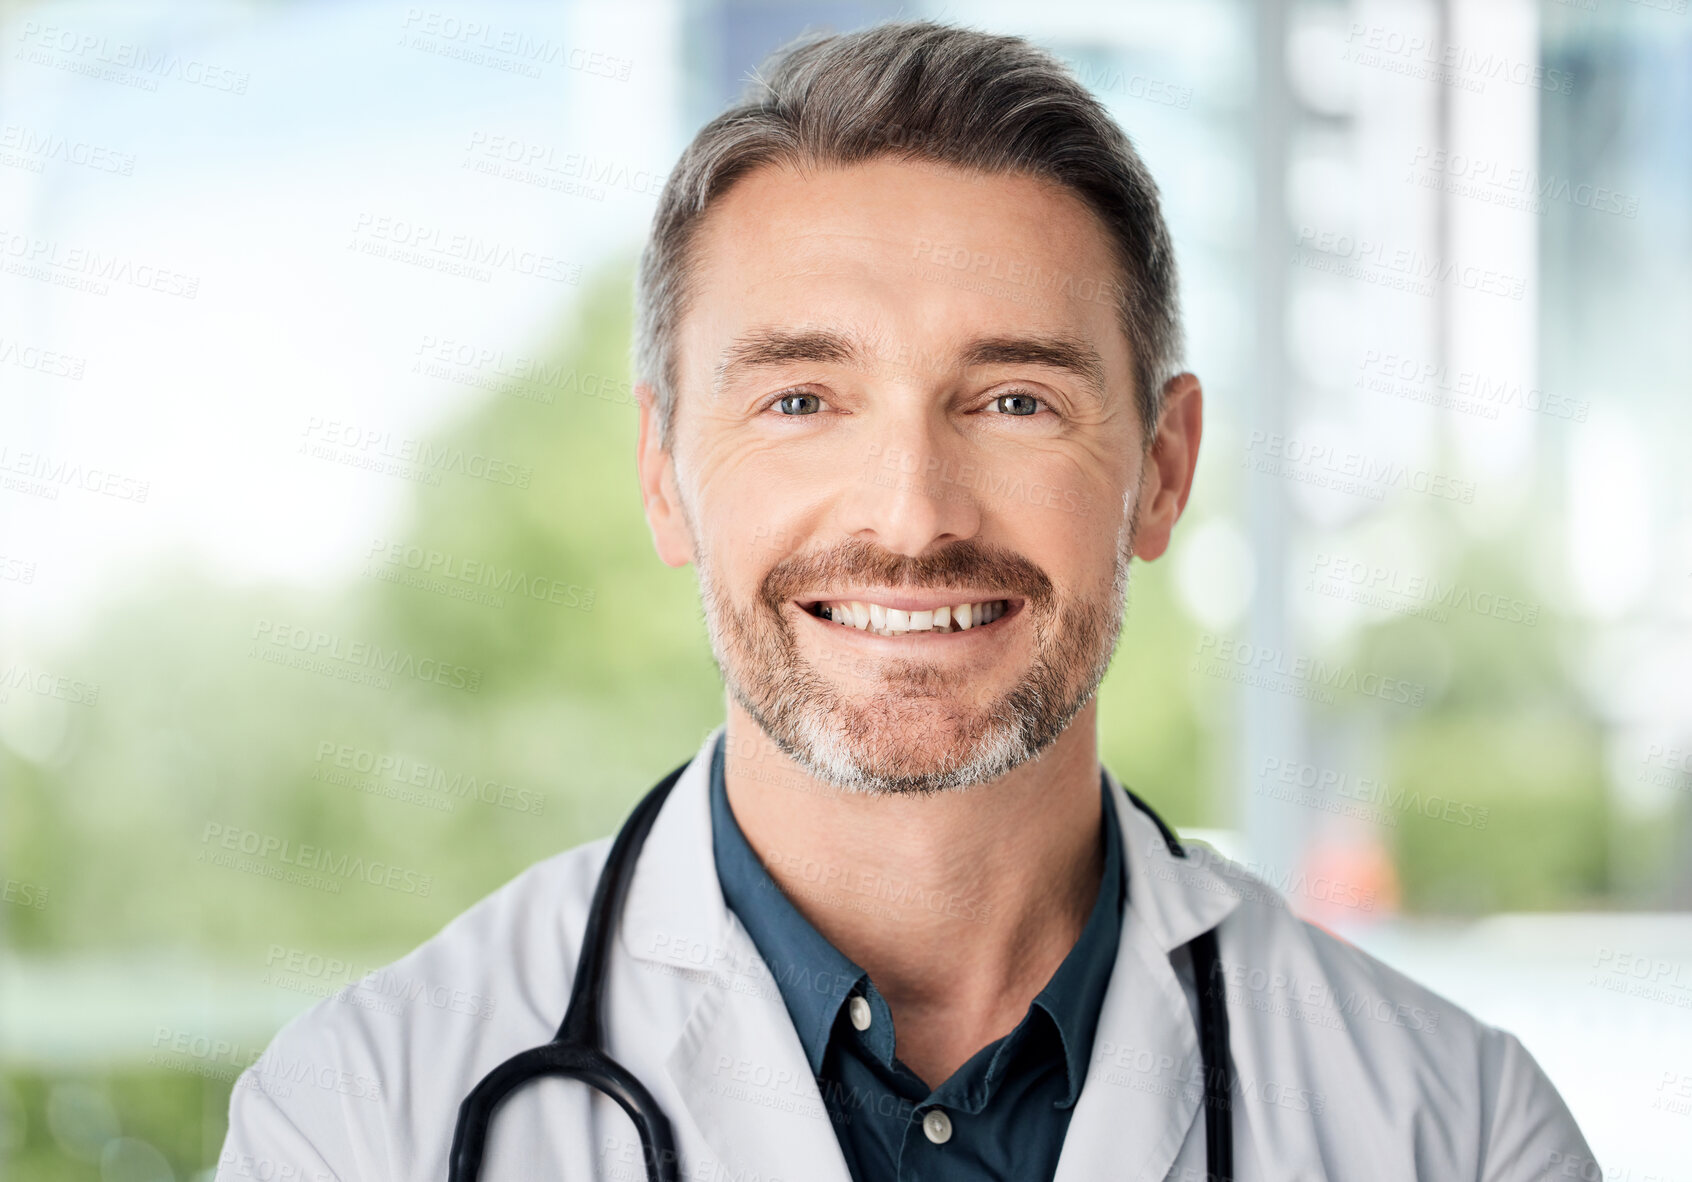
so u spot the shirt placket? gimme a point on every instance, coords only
(942, 1116)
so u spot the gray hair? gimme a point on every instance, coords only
(919, 91)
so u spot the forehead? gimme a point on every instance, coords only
(911, 255)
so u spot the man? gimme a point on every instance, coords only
(907, 345)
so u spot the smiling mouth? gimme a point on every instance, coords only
(887, 621)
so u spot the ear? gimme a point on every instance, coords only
(658, 491)
(1167, 479)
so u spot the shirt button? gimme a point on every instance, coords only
(937, 1126)
(859, 1011)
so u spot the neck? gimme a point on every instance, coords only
(959, 905)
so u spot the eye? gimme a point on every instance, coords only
(796, 405)
(1018, 403)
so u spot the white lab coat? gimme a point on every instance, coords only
(1345, 1069)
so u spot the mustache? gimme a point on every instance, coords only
(965, 563)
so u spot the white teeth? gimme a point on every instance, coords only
(892, 621)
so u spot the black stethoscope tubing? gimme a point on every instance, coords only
(577, 1051)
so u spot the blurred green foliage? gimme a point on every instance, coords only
(48, 1140)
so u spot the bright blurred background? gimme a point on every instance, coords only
(318, 518)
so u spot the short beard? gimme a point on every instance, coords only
(852, 742)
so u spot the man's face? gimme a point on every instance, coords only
(905, 386)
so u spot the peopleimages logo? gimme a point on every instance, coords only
(1403, 267)
(1385, 587)
(1466, 67)
(1467, 390)
(1224, 652)
(43, 474)
(405, 455)
(515, 158)
(41, 361)
(386, 236)
(27, 148)
(1514, 186)
(403, 772)
(24, 894)
(327, 652)
(531, 379)
(1345, 470)
(88, 268)
(18, 676)
(271, 1071)
(42, 41)
(1244, 878)
(1315, 1000)
(384, 989)
(267, 848)
(478, 42)
(1328, 789)
(469, 578)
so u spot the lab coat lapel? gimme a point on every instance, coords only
(738, 1065)
(1145, 1079)
(743, 1072)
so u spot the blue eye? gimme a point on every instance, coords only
(1028, 402)
(784, 401)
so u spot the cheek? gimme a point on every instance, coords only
(746, 534)
(1069, 554)
(1081, 550)
(737, 472)
(763, 501)
(1058, 499)
(734, 497)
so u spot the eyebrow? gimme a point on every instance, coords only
(1070, 354)
(762, 348)
(769, 347)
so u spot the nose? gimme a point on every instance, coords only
(910, 497)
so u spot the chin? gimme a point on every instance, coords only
(919, 750)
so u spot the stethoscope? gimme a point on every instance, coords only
(577, 1050)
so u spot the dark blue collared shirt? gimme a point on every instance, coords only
(1006, 1110)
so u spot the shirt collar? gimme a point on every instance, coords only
(815, 977)
(1075, 994)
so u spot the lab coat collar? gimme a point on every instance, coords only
(1145, 1081)
(742, 1072)
(738, 1065)
(675, 914)
(1175, 898)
